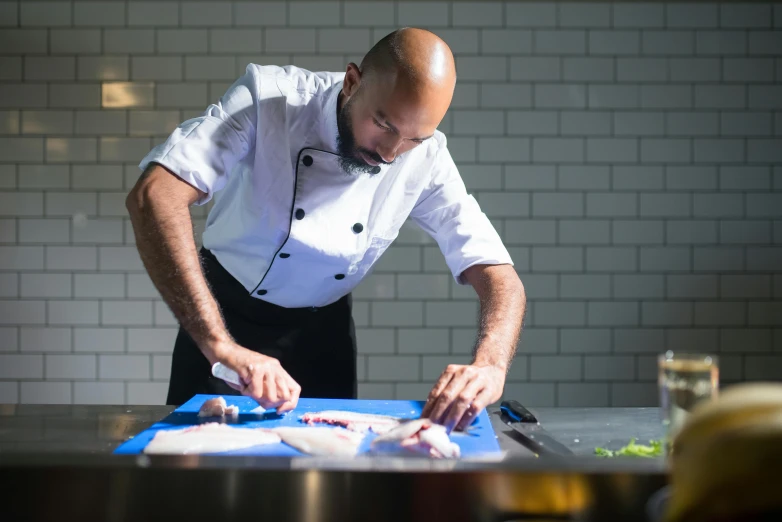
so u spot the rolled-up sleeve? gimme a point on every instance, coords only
(454, 219)
(203, 151)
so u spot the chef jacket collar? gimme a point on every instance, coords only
(329, 128)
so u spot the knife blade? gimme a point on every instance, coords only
(526, 424)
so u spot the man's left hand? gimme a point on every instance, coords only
(461, 392)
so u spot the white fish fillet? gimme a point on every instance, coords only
(359, 422)
(217, 407)
(321, 441)
(211, 437)
(420, 436)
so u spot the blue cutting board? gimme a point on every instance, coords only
(480, 439)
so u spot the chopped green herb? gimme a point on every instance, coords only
(655, 449)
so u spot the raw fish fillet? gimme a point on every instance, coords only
(217, 408)
(322, 441)
(420, 436)
(359, 422)
(211, 437)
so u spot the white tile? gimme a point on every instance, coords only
(97, 14)
(47, 122)
(21, 366)
(71, 203)
(49, 68)
(376, 286)
(477, 14)
(147, 392)
(124, 258)
(97, 231)
(582, 395)
(15, 312)
(45, 14)
(375, 340)
(76, 313)
(580, 340)
(48, 231)
(375, 390)
(71, 258)
(451, 313)
(368, 13)
(609, 368)
(71, 367)
(206, 13)
(45, 393)
(423, 341)
(21, 258)
(140, 286)
(9, 339)
(123, 367)
(98, 340)
(634, 395)
(21, 203)
(46, 285)
(313, 14)
(62, 150)
(99, 285)
(536, 395)
(290, 41)
(112, 204)
(164, 316)
(98, 393)
(161, 367)
(9, 392)
(186, 41)
(151, 340)
(394, 368)
(130, 313)
(422, 14)
(433, 366)
(409, 391)
(559, 313)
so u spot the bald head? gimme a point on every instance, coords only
(395, 99)
(413, 55)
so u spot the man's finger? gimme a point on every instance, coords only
(461, 404)
(270, 389)
(447, 396)
(437, 390)
(291, 403)
(478, 404)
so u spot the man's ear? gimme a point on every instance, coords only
(352, 80)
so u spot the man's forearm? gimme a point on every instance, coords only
(503, 304)
(164, 238)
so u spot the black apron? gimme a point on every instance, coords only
(316, 346)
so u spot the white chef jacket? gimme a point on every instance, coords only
(288, 223)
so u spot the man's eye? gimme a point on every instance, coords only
(380, 125)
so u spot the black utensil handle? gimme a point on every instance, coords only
(517, 412)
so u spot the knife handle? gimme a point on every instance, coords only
(517, 412)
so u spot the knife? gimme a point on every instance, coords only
(225, 373)
(525, 423)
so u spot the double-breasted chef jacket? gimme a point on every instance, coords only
(287, 222)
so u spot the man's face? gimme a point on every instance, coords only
(381, 121)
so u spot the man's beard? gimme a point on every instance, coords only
(349, 158)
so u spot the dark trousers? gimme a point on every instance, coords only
(316, 346)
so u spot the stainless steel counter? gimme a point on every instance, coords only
(57, 462)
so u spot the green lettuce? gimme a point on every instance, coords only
(654, 449)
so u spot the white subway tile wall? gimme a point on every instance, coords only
(629, 154)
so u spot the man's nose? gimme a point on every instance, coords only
(388, 150)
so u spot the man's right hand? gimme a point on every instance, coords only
(263, 378)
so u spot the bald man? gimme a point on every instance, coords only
(313, 175)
